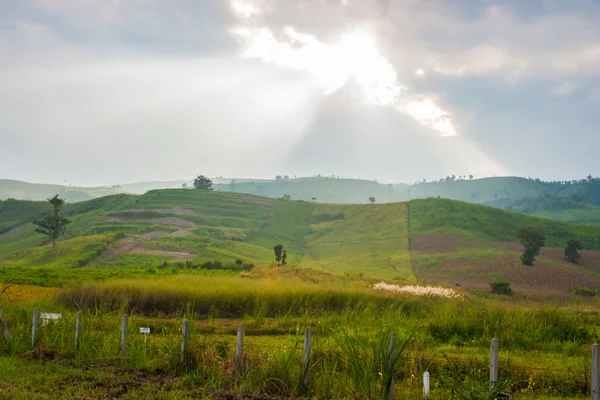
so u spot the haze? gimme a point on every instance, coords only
(108, 92)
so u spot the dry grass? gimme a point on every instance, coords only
(418, 290)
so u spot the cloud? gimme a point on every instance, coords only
(563, 89)
(353, 56)
(92, 90)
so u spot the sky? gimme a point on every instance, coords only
(118, 91)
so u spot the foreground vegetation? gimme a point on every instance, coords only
(210, 258)
(544, 352)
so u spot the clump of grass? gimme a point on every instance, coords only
(578, 290)
(501, 287)
(371, 366)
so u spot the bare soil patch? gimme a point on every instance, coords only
(177, 210)
(182, 232)
(11, 232)
(126, 245)
(175, 255)
(551, 273)
(164, 221)
(444, 242)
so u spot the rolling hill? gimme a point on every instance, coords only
(471, 245)
(198, 226)
(12, 189)
(570, 201)
(432, 239)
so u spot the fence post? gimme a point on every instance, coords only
(426, 385)
(184, 335)
(4, 324)
(595, 371)
(493, 364)
(34, 326)
(306, 355)
(391, 355)
(77, 330)
(124, 324)
(239, 349)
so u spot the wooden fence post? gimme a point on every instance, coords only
(595, 372)
(493, 364)
(391, 355)
(426, 385)
(239, 349)
(124, 324)
(78, 330)
(34, 326)
(306, 355)
(184, 336)
(4, 324)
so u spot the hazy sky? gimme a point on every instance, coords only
(115, 91)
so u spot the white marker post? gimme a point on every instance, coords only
(426, 385)
(145, 331)
(34, 326)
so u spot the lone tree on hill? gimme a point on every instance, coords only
(371, 199)
(572, 251)
(53, 225)
(532, 241)
(279, 254)
(202, 183)
(284, 258)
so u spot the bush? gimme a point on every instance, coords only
(583, 291)
(501, 287)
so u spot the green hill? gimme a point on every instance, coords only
(472, 245)
(12, 189)
(116, 235)
(569, 201)
(163, 231)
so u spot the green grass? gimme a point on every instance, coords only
(449, 216)
(543, 351)
(589, 215)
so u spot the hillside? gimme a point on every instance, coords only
(572, 201)
(12, 189)
(132, 235)
(472, 245)
(576, 201)
(144, 232)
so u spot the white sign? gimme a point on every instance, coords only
(145, 330)
(47, 317)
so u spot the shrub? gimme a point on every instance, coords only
(501, 287)
(583, 291)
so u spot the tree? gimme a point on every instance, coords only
(372, 199)
(284, 258)
(286, 197)
(278, 178)
(572, 251)
(184, 185)
(53, 225)
(470, 176)
(202, 183)
(532, 241)
(278, 250)
(501, 287)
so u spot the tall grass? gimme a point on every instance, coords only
(226, 297)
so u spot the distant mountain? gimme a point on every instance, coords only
(12, 189)
(567, 201)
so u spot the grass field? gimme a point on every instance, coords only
(208, 257)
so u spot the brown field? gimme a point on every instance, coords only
(551, 274)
